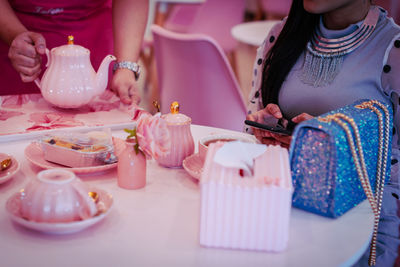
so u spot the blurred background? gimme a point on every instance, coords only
(237, 28)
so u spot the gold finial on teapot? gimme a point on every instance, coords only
(70, 39)
(174, 107)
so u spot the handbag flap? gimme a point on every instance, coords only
(323, 170)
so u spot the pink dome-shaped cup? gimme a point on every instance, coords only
(56, 195)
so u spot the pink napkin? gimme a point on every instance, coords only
(5, 114)
(52, 120)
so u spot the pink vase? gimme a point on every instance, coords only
(131, 168)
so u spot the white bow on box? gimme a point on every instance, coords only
(237, 154)
(232, 161)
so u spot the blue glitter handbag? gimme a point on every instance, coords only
(341, 157)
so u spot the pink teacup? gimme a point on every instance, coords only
(213, 138)
(57, 195)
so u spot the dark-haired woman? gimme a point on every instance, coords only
(296, 79)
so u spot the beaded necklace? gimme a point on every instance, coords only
(324, 57)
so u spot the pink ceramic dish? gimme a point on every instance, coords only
(193, 164)
(34, 153)
(74, 158)
(13, 208)
(8, 173)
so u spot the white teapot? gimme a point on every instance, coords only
(70, 80)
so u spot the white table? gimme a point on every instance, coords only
(158, 226)
(253, 33)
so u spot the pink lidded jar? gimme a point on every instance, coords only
(182, 144)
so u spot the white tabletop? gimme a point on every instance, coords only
(158, 226)
(253, 33)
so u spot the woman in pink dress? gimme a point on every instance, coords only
(103, 26)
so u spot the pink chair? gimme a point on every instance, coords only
(214, 18)
(181, 16)
(193, 70)
(276, 8)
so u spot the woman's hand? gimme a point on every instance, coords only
(129, 23)
(25, 54)
(302, 117)
(266, 137)
(124, 84)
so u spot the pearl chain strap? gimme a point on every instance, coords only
(356, 149)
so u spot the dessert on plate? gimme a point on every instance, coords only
(78, 149)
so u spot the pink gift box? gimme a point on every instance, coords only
(250, 212)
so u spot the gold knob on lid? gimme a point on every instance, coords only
(175, 107)
(70, 39)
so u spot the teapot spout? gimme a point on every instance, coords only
(102, 73)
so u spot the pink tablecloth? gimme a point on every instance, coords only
(30, 112)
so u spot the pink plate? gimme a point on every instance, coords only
(13, 206)
(7, 174)
(193, 165)
(34, 153)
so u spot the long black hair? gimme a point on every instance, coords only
(290, 43)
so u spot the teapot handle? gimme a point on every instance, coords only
(37, 80)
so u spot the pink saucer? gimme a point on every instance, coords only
(7, 174)
(193, 164)
(13, 206)
(34, 153)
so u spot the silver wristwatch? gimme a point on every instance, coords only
(133, 66)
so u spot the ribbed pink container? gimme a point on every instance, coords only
(182, 144)
(250, 213)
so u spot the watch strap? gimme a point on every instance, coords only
(132, 66)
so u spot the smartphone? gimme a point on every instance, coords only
(277, 128)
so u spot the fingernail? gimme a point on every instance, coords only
(41, 49)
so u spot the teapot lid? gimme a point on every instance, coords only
(175, 117)
(70, 49)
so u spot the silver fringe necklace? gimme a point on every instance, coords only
(324, 57)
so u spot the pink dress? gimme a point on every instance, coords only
(89, 21)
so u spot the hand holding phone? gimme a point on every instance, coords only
(277, 128)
